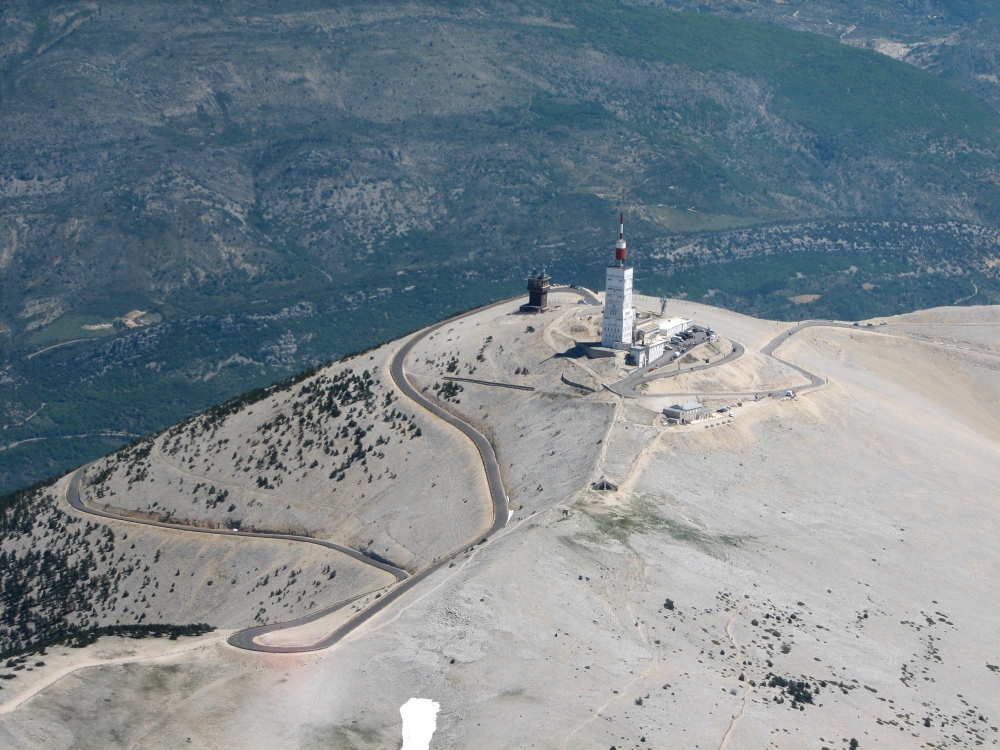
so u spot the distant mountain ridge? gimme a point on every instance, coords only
(375, 166)
(958, 40)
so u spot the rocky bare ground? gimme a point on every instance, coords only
(808, 573)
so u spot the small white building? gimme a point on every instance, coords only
(642, 354)
(652, 339)
(672, 326)
(652, 329)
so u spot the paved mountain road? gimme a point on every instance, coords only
(245, 639)
(628, 387)
(73, 496)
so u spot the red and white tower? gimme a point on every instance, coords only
(619, 317)
(620, 249)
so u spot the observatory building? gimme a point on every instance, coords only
(616, 330)
(538, 293)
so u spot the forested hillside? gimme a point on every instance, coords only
(957, 40)
(271, 185)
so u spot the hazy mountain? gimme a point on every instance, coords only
(275, 184)
(957, 41)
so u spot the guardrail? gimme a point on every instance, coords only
(515, 386)
(581, 386)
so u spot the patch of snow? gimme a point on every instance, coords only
(419, 722)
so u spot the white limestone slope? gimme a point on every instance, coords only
(840, 547)
(340, 456)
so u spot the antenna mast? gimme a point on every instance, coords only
(620, 249)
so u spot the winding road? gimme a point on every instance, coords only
(245, 639)
(630, 385)
(73, 496)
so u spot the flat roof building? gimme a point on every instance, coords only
(650, 350)
(672, 326)
(690, 411)
(649, 331)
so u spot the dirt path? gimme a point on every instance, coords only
(745, 685)
(54, 346)
(550, 342)
(80, 664)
